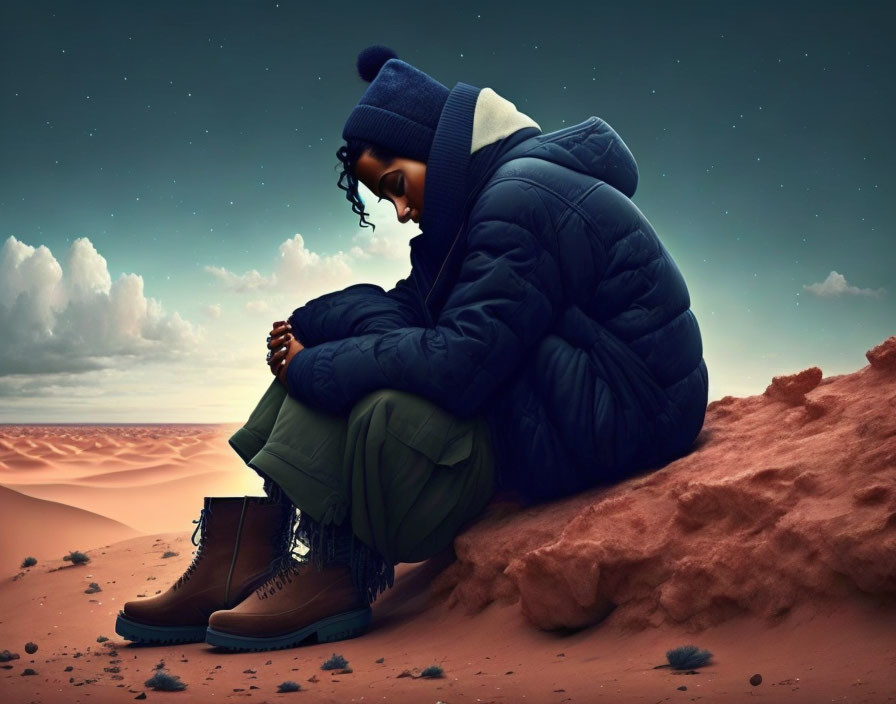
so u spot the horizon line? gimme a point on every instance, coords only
(75, 423)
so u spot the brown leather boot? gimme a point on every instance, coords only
(242, 539)
(300, 602)
(325, 595)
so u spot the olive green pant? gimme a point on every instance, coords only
(409, 475)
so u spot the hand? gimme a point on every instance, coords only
(293, 347)
(282, 346)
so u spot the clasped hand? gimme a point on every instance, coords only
(282, 346)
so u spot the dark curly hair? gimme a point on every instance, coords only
(348, 156)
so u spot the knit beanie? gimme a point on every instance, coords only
(400, 109)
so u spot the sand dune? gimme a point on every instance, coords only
(133, 456)
(45, 449)
(168, 505)
(45, 529)
(77, 470)
(138, 476)
(25, 462)
(151, 477)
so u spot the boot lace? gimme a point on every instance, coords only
(285, 566)
(201, 523)
(326, 545)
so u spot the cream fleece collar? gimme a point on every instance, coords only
(494, 118)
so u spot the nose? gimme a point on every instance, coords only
(404, 213)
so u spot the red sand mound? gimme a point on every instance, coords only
(787, 498)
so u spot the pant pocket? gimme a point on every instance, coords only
(441, 438)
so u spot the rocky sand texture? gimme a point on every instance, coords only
(788, 497)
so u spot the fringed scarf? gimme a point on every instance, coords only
(337, 544)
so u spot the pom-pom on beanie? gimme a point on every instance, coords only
(400, 109)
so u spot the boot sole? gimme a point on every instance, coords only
(350, 624)
(144, 633)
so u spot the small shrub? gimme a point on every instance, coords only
(101, 639)
(30, 648)
(76, 557)
(29, 562)
(29, 671)
(6, 656)
(432, 671)
(687, 657)
(168, 553)
(289, 686)
(164, 682)
(93, 588)
(336, 662)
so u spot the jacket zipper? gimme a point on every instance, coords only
(451, 249)
(420, 297)
(444, 261)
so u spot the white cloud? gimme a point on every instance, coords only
(212, 311)
(241, 283)
(79, 319)
(77, 346)
(835, 285)
(298, 266)
(299, 271)
(257, 306)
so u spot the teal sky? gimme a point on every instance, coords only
(190, 143)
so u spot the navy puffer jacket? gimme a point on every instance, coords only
(553, 309)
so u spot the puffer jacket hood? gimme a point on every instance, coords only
(592, 148)
(481, 130)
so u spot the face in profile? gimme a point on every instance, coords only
(401, 182)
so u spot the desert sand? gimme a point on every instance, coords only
(772, 544)
(34, 527)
